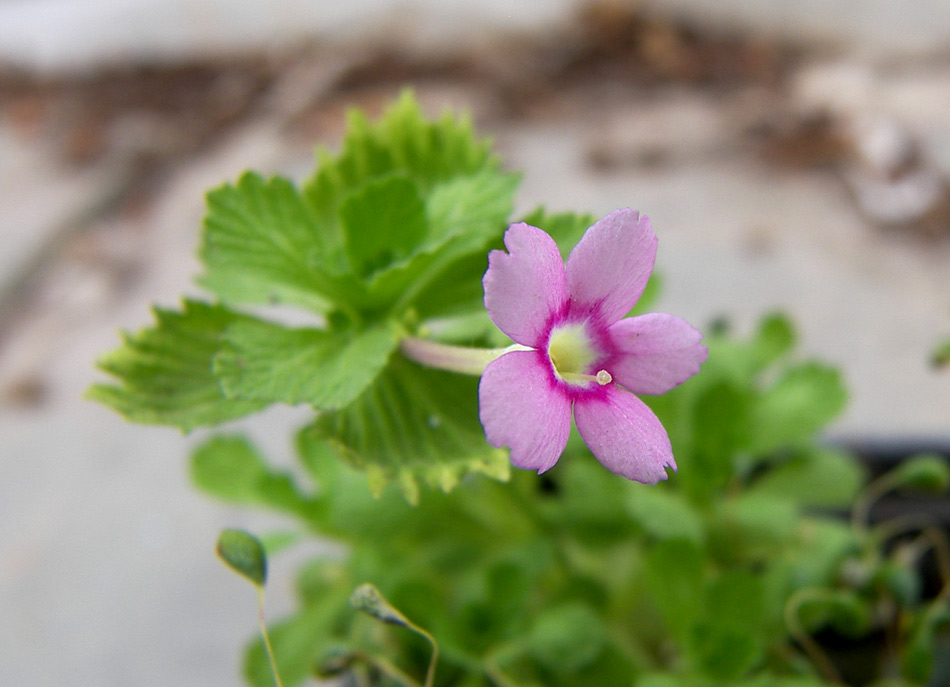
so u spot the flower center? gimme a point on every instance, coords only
(572, 355)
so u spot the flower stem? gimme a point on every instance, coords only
(461, 359)
(267, 645)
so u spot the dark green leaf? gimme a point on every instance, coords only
(383, 223)
(244, 554)
(925, 472)
(414, 424)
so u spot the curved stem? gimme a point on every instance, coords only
(793, 623)
(866, 499)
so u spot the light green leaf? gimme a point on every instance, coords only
(823, 478)
(327, 369)
(402, 141)
(674, 572)
(566, 638)
(664, 513)
(727, 641)
(261, 244)
(383, 223)
(164, 372)
(414, 424)
(801, 402)
(231, 469)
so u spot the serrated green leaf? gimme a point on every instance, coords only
(465, 216)
(164, 372)
(244, 554)
(382, 223)
(402, 141)
(262, 244)
(327, 369)
(804, 399)
(413, 425)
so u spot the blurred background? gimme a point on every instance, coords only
(792, 156)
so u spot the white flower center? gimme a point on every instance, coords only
(572, 355)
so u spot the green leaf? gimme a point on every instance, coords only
(664, 513)
(819, 477)
(728, 639)
(403, 140)
(414, 424)
(465, 215)
(231, 469)
(382, 223)
(164, 372)
(674, 571)
(244, 554)
(566, 638)
(261, 244)
(924, 472)
(804, 399)
(327, 369)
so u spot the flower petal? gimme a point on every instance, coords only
(521, 408)
(624, 435)
(609, 267)
(658, 352)
(526, 285)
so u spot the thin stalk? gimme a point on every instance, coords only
(793, 623)
(267, 645)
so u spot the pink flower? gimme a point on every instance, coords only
(576, 352)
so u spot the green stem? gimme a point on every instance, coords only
(461, 359)
(871, 493)
(793, 623)
(267, 645)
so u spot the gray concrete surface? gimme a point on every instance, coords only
(107, 575)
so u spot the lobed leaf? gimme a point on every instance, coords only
(164, 372)
(414, 424)
(327, 369)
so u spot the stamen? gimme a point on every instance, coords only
(604, 377)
